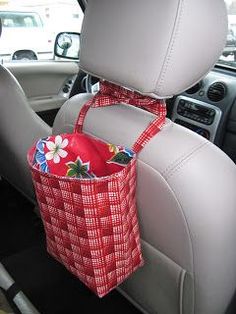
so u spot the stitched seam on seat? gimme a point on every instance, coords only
(181, 290)
(191, 241)
(184, 156)
(171, 174)
(179, 206)
(188, 231)
(185, 160)
(161, 78)
(185, 219)
(180, 209)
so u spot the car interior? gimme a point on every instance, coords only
(186, 174)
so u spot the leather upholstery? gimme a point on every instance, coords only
(186, 186)
(186, 208)
(156, 47)
(185, 194)
(20, 127)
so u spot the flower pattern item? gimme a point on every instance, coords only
(56, 150)
(121, 158)
(113, 148)
(39, 157)
(78, 169)
(80, 156)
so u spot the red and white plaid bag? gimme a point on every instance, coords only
(91, 222)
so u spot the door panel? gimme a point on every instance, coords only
(45, 103)
(47, 85)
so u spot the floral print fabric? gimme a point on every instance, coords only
(79, 156)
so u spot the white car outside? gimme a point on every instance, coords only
(24, 37)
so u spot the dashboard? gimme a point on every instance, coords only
(209, 109)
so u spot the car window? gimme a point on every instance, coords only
(228, 56)
(29, 28)
(20, 19)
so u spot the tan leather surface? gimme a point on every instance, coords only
(159, 48)
(186, 199)
(20, 127)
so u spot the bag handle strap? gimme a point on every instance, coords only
(111, 94)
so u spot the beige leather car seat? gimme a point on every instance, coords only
(19, 128)
(186, 185)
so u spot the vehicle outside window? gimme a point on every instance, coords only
(29, 28)
(230, 48)
(24, 36)
(228, 57)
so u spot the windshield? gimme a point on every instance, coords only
(228, 56)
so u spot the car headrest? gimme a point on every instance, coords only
(158, 48)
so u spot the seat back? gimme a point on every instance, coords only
(185, 192)
(20, 126)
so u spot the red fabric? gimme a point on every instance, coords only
(91, 224)
(86, 148)
(96, 155)
(110, 94)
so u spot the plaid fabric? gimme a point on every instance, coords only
(110, 94)
(91, 225)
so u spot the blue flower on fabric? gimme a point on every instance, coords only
(122, 157)
(129, 152)
(39, 157)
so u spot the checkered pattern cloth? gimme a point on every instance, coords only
(91, 225)
(111, 94)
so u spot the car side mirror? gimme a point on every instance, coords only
(67, 45)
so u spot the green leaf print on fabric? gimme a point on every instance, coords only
(78, 169)
(121, 158)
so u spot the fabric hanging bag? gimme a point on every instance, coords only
(86, 189)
